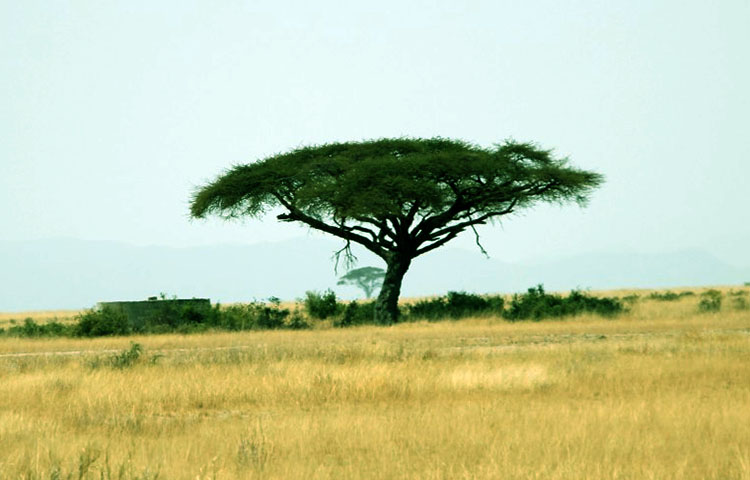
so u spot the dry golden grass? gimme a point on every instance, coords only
(661, 392)
(9, 318)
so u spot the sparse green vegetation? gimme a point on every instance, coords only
(108, 321)
(739, 299)
(710, 301)
(30, 328)
(630, 298)
(669, 296)
(356, 313)
(740, 303)
(102, 322)
(296, 321)
(536, 304)
(251, 316)
(321, 305)
(170, 317)
(456, 305)
(127, 358)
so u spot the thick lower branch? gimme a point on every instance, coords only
(438, 243)
(346, 234)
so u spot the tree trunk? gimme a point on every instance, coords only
(386, 306)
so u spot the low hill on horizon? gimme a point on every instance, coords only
(74, 274)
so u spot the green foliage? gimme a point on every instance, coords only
(107, 321)
(173, 317)
(536, 304)
(378, 178)
(321, 305)
(632, 298)
(110, 321)
(398, 197)
(368, 279)
(297, 321)
(102, 322)
(740, 303)
(270, 317)
(669, 296)
(237, 317)
(31, 329)
(456, 305)
(124, 359)
(127, 358)
(250, 316)
(356, 314)
(710, 301)
(739, 299)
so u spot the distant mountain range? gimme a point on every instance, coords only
(71, 274)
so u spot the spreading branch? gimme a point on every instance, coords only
(399, 198)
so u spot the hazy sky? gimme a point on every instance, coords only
(111, 112)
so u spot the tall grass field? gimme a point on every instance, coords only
(659, 392)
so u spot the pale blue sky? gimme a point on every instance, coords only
(112, 111)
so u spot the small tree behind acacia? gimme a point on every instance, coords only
(399, 198)
(366, 278)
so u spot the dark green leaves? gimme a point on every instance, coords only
(396, 194)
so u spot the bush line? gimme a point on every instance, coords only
(534, 305)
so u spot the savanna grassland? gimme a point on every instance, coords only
(659, 392)
(8, 319)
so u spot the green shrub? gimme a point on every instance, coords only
(578, 302)
(250, 316)
(321, 305)
(740, 303)
(431, 309)
(31, 329)
(56, 329)
(271, 317)
(127, 358)
(710, 301)
(102, 322)
(536, 304)
(462, 304)
(170, 317)
(296, 321)
(235, 317)
(455, 305)
(669, 296)
(632, 298)
(123, 359)
(356, 314)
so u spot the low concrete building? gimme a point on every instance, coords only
(139, 312)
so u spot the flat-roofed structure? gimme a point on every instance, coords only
(138, 312)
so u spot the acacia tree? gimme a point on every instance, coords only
(366, 278)
(399, 198)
